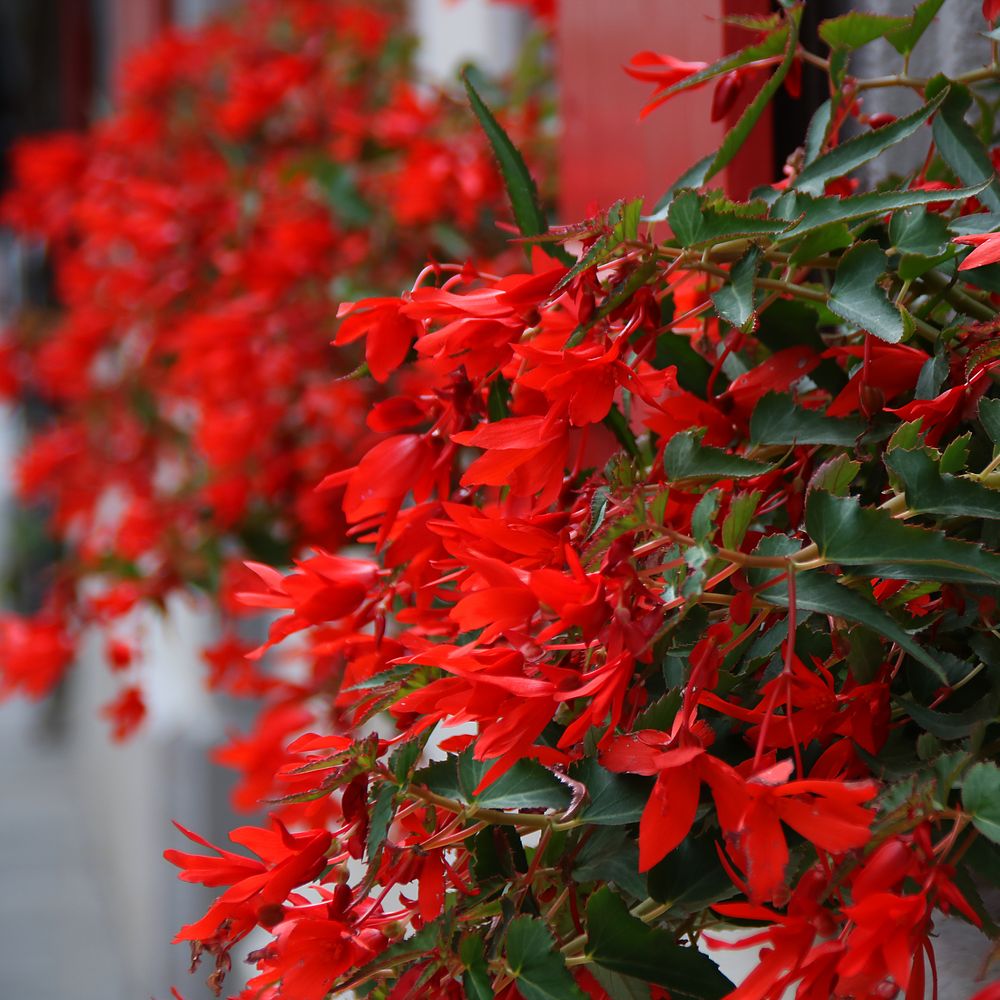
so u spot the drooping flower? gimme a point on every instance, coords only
(987, 244)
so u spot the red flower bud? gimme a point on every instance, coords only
(726, 91)
(871, 399)
(270, 914)
(880, 119)
(793, 82)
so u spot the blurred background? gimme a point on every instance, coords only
(87, 905)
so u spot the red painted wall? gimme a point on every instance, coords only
(606, 152)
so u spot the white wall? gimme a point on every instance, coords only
(454, 32)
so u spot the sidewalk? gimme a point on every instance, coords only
(55, 941)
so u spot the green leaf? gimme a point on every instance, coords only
(612, 799)
(476, 978)
(819, 124)
(693, 177)
(839, 60)
(808, 213)
(917, 231)
(975, 225)
(622, 943)
(738, 134)
(598, 509)
(383, 809)
(629, 214)
(834, 236)
(539, 970)
(619, 987)
(913, 265)
(526, 785)
(851, 31)
(817, 590)
(599, 252)
(498, 399)
(383, 677)
(907, 435)
(836, 475)
(741, 511)
(735, 302)
(981, 799)
(703, 515)
(403, 758)
(611, 854)
(905, 39)
(931, 378)
(690, 878)
(777, 420)
(520, 185)
(857, 297)
(693, 370)
(962, 149)
(989, 417)
(852, 535)
(930, 491)
(685, 457)
(695, 222)
(861, 149)
(956, 456)
(950, 725)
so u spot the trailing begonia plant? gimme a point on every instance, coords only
(679, 610)
(257, 172)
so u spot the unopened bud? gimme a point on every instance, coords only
(872, 400)
(270, 914)
(726, 91)
(880, 119)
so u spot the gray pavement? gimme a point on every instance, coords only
(55, 937)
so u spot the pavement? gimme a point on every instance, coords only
(55, 939)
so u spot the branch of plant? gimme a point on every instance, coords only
(960, 299)
(920, 83)
(495, 817)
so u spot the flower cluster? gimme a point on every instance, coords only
(258, 172)
(681, 599)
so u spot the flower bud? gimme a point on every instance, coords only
(872, 400)
(726, 91)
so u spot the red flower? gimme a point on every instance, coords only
(327, 588)
(527, 454)
(828, 814)
(256, 887)
(663, 70)
(388, 330)
(583, 380)
(125, 713)
(886, 940)
(34, 654)
(309, 954)
(377, 486)
(988, 993)
(681, 769)
(777, 373)
(892, 369)
(987, 244)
